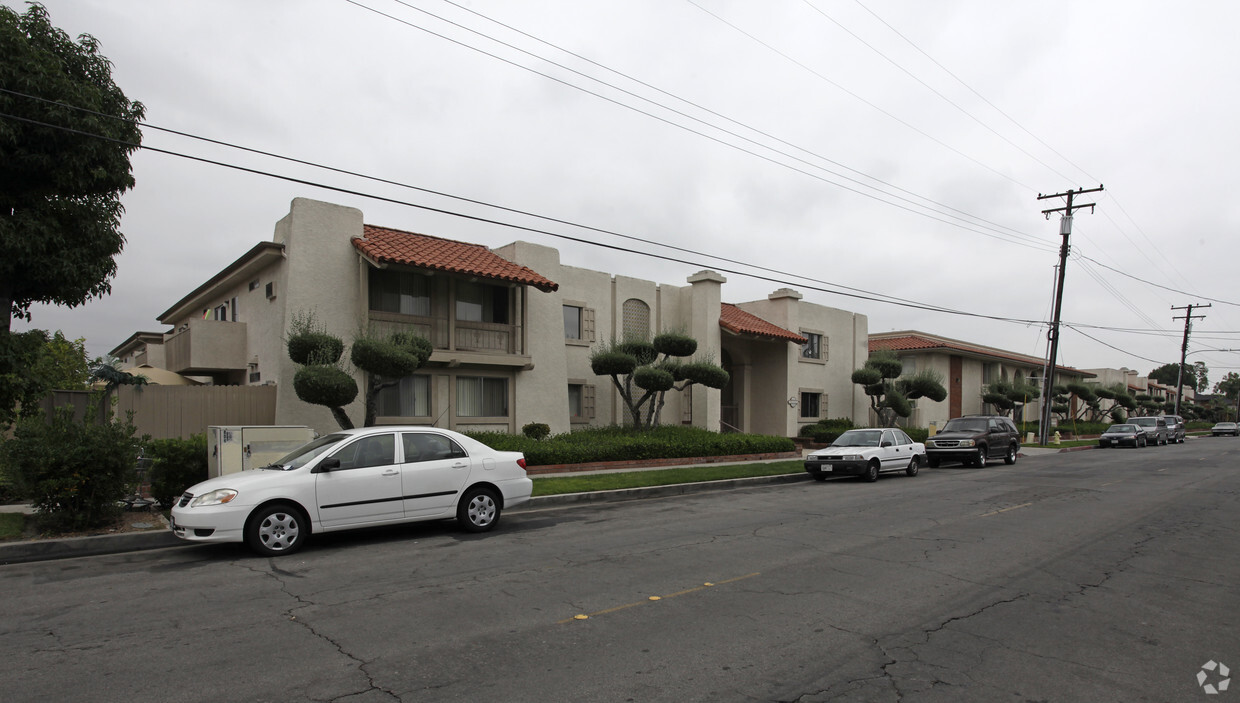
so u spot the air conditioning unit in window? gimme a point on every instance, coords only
(271, 290)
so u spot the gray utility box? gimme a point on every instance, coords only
(236, 448)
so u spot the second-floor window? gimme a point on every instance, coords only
(401, 292)
(572, 322)
(812, 349)
(481, 302)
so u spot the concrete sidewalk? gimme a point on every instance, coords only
(47, 549)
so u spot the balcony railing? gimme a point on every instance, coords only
(452, 335)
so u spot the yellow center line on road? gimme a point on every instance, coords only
(653, 599)
(1004, 510)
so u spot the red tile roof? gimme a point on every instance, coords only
(733, 319)
(915, 342)
(394, 246)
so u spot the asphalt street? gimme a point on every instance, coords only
(1086, 576)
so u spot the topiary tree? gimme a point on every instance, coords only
(1010, 396)
(1089, 401)
(322, 380)
(890, 397)
(643, 372)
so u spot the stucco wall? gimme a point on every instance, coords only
(322, 274)
(787, 373)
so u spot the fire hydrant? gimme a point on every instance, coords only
(1056, 436)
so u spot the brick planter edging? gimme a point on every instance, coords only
(656, 463)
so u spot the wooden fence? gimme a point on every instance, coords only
(179, 411)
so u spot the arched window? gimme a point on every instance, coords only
(636, 319)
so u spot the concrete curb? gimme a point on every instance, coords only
(72, 547)
(48, 549)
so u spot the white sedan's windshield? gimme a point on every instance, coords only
(306, 453)
(858, 438)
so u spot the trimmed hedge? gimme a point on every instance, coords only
(619, 443)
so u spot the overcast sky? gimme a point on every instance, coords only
(889, 148)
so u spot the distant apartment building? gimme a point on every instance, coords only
(512, 330)
(967, 369)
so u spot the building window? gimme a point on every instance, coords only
(636, 319)
(481, 302)
(410, 397)
(481, 396)
(811, 405)
(812, 349)
(572, 322)
(401, 292)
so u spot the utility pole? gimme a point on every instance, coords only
(1065, 229)
(1188, 325)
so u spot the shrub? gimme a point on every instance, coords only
(536, 430)
(177, 465)
(73, 473)
(826, 430)
(619, 443)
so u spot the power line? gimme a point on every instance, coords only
(1034, 245)
(861, 294)
(718, 114)
(945, 99)
(863, 100)
(443, 194)
(837, 289)
(971, 90)
(1112, 346)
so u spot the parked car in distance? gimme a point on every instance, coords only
(1155, 428)
(974, 440)
(355, 478)
(1175, 428)
(1225, 428)
(867, 453)
(1120, 435)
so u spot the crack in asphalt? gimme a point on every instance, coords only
(278, 575)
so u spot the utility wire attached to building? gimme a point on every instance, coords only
(1065, 229)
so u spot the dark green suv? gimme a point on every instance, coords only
(974, 440)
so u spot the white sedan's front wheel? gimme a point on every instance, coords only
(276, 530)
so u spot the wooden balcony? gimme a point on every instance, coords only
(205, 347)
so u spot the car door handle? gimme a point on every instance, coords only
(391, 472)
(459, 465)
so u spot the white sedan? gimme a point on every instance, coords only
(355, 478)
(867, 453)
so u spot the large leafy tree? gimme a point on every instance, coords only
(890, 395)
(643, 372)
(60, 190)
(1169, 374)
(322, 381)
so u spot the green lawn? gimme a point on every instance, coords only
(12, 525)
(661, 477)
